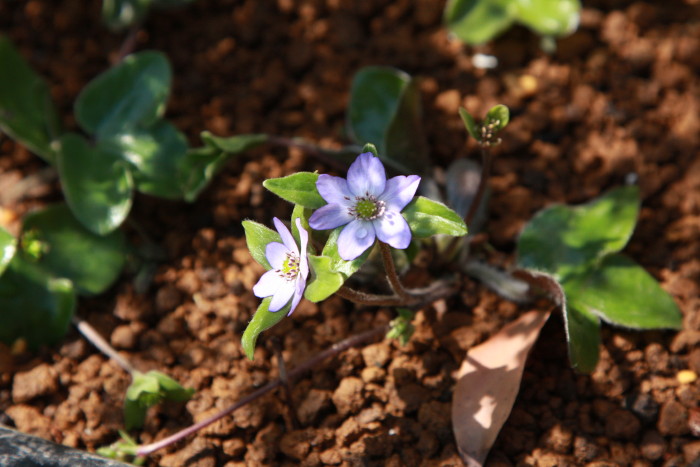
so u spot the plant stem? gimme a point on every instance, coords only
(368, 299)
(391, 273)
(102, 345)
(416, 298)
(128, 44)
(326, 156)
(335, 349)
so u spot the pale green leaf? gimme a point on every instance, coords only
(298, 188)
(257, 237)
(426, 217)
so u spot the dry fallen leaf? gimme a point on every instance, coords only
(487, 384)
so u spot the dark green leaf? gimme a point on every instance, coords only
(156, 155)
(324, 281)
(33, 305)
(479, 21)
(27, 112)
(469, 124)
(8, 246)
(90, 261)
(620, 291)
(257, 237)
(583, 336)
(427, 217)
(384, 110)
(498, 116)
(562, 239)
(263, 319)
(96, 183)
(298, 188)
(131, 94)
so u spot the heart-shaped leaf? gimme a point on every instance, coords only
(263, 319)
(92, 262)
(621, 292)
(34, 306)
(385, 110)
(478, 21)
(156, 155)
(27, 112)
(426, 217)
(562, 240)
(96, 183)
(257, 237)
(324, 281)
(299, 188)
(131, 94)
(8, 247)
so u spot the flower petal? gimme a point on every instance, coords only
(355, 238)
(393, 229)
(268, 284)
(276, 253)
(334, 189)
(284, 292)
(330, 216)
(287, 238)
(298, 293)
(366, 176)
(303, 260)
(399, 191)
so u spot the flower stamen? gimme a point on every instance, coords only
(290, 267)
(367, 208)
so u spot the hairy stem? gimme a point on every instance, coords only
(102, 345)
(391, 273)
(335, 349)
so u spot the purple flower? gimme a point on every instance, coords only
(368, 203)
(290, 268)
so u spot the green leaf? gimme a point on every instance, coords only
(338, 264)
(234, 144)
(131, 94)
(27, 113)
(147, 390)
(324, 281)
(298, 188)
(426, 217)
(469, 124)
(8, 247)
(120, 14)
(549, 17)
(621, 292)
(156, 155)
(562, 240)
(479, 21)
(498, 116)
(384, 110)
(90, 261)
(33, 305)
(96, 183)
(257, 237)
(583, 338)
(263, 319)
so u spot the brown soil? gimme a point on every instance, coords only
(620, 96)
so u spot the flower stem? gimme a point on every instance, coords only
(329, 157)
(102, 345)
(391, 273)
(369, 299)
(333, 350)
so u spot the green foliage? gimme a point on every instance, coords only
(385, 110)
(401, 327)
(257, 237)
(34, 305)
(486, 132)
(124, 450)
(70, 251)
(324, 280)
(427, 218)
(479, 21)
(147, 390)
(263, 319)
(8, 247)
(27, 112)
(299, 188)
(578, 246)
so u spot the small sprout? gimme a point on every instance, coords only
(401, 327)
